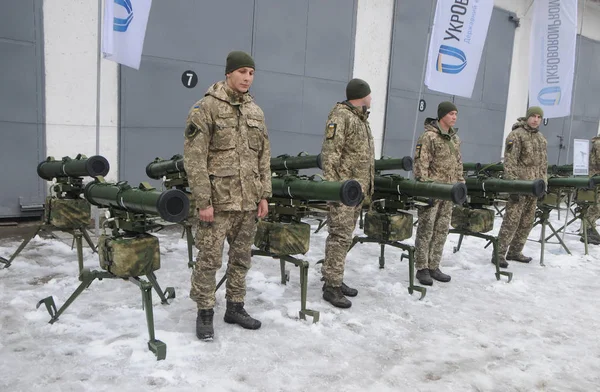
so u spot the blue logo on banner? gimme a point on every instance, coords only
(549, 96)
(452, 52)
(121, 24)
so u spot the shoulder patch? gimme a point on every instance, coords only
(330, 133)
(509, 144)
(418, 150)
(191, 131)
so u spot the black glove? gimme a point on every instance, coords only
(514, 197)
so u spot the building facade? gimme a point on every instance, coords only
(305, 51)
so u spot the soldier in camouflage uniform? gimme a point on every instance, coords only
(593, 212)
(437, 158)
(525, 158)
(347, 153)
(226, 155)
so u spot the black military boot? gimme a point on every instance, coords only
(424, 277)
(334, 296)
(439, 275)
(349, 291)
(204, 324)
(236, 314)
(520, 257)
(346, 290)
(502, 263)
(592, 237)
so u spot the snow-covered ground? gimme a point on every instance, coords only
(536, 333)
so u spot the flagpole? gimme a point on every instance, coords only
(426, 59)
(98, 80)
(572, 107)
(576, 75)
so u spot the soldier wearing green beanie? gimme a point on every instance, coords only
(445, 108)
(238, 59)
(348, 152)
(437, 158)
(227, 159)
(525, 158)
(593, 212)
(535, 110)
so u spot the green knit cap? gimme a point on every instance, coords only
(535, 110)
(445, 108)
(357, 89)
(238, 59)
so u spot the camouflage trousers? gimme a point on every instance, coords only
(432, 230)
(341, 221)
(516, 224)
(239, 228)
(593, 213)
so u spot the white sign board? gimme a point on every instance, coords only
(581, 157)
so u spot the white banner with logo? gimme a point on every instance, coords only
(581, 157)
(552, 51)
(459, 31)
(124, 29)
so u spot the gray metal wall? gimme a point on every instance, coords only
(21, 107)
(585, 105)
(480, 118)
(304, 55)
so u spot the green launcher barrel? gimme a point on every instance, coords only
(572, 182)
(476, 167)
(560, 169)
(172, 205)
(404, 163)
(286, 162)
(457, 193)
(347, 192)
(81, 166)
(160, 168)
(535, 188)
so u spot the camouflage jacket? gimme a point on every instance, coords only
(226, 151)
(525, 153)
(437, 155)
(595, 156)
(348, 150)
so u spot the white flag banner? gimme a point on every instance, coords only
(581, 157)
(459, 31)
(124, 29)
(552, 51)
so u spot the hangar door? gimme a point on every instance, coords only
(21, 107)
(303, 51)
(480, 118)
(560, 132)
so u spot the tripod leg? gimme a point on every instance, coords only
(156, 346)
(411, 273)
(164, 297)
(460, 239)
(77, 234)
(89, 241)
(223, 279)
(543, 241)
(190, 243)
(562, 243)
(8, 262)
(86, 279)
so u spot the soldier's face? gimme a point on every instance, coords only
(241, 79)
(534, 121)
(367, 101)
(449, 119)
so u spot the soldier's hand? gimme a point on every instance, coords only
(207, 214)
(514, 197)
(263, 208)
